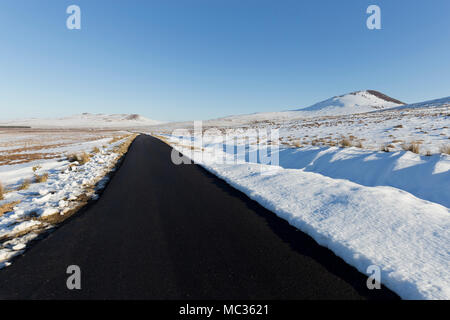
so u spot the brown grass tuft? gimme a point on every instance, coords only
(345, 143)
(81, 158)
(41, 178)
(95, 150)
(8, 207)
(445, 149)
(84, 158)
(413, 147)
(2, 191)
(25, 185)
(117, 138)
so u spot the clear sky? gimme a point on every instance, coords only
(201, 59)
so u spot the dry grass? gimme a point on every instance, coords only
(84, 158)
(2, 191)
(123, 148)
(81, 158)
(72, 157)
(445, 149)
(41, 178)
(117, 138)
(413, 147)
(345, 143)
(38, 146)
(36, 168)
(95, 150)
(26, 157)
(8, 207)
(358, 144)
(25, 185)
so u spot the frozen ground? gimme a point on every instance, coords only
(426, 125)
(85, 120)
(347, 180)
(44, 191)
(362, 173)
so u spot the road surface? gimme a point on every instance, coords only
(162, 231)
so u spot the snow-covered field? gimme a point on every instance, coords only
(85, 120)
(48, 175)
(363, 174)
(347, 180)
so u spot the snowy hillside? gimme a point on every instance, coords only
(351, 103)
(85, 120)
(355, 102)
(426, 104)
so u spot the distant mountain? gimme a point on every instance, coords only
(350, 103)
(86, 120)
(359, 101)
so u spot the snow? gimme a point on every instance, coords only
(426, 104)
(351, 103)
(426, 177)
(56, 196)
(370, 207)
(86, 120)
(407, 237)
(357, 102)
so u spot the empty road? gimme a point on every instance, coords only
(162, 231)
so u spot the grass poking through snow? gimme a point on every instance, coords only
(25, 185)
(81, 158)
(413, 147)
(445, 149)
(8, 207)
(41, 178)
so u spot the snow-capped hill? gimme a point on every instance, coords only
(86, 120)
(351, 103)
(355, 102)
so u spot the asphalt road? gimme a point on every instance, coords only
(162, 231)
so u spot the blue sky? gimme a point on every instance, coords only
(200, 59)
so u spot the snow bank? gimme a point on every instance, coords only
(59, 194)
(426, 177)
(407, 237)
